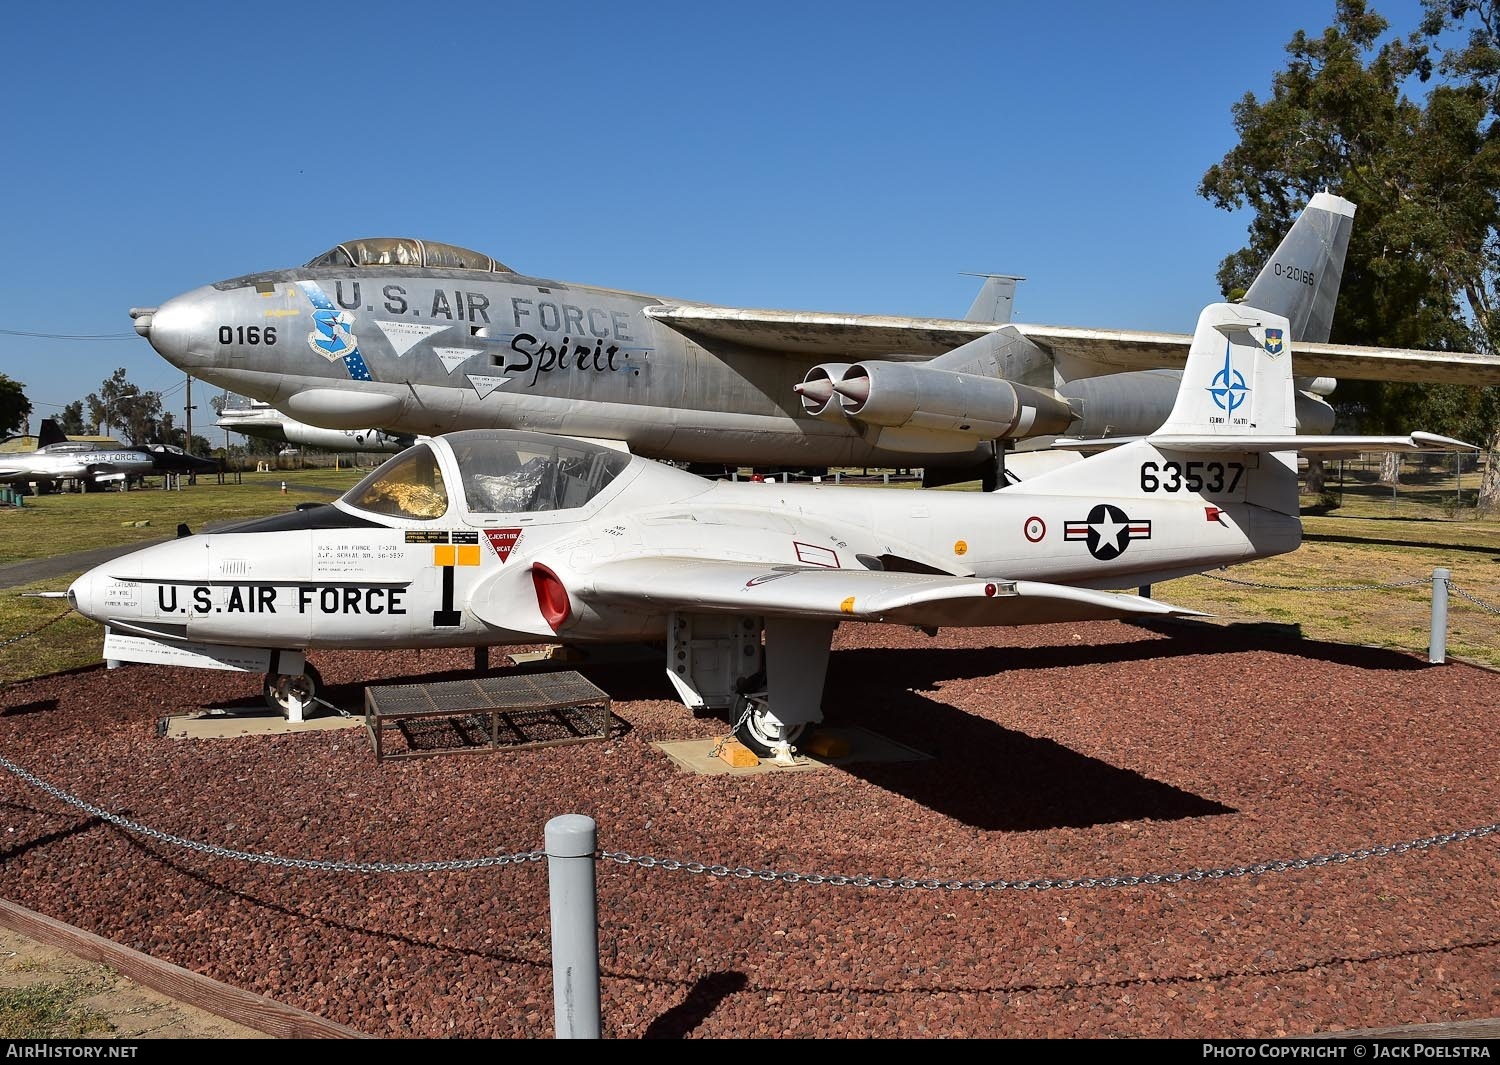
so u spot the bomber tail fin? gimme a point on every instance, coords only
(1301, 280)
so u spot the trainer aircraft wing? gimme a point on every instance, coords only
(919, 599)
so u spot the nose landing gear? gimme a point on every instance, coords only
(293, 693)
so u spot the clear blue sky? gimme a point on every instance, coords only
(847, 157)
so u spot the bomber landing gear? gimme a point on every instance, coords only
(293, 693)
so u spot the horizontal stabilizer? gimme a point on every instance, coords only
(1264, 444)
(690, 585)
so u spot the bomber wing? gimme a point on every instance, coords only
(920, 599)
(1078, 352)
(818, 333)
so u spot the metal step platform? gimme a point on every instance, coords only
(486, 714)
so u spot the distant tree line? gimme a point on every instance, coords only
(118, 408)
(1424, 174)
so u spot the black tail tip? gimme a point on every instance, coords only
(183, 530)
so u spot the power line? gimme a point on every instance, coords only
(70, 336)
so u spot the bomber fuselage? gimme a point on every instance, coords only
(430, 351)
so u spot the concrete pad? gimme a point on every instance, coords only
(605, 654)
(218, 724)
(855, 744)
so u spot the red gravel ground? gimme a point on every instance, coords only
(1104, 752)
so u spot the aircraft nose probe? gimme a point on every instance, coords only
(183, 330)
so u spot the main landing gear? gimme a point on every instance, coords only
(749, 665)
(294, 694)
(757, 727)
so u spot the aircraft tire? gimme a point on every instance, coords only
(290, 692)
(758, 731)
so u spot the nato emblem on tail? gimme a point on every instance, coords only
(1228, 389)
(1236, 381)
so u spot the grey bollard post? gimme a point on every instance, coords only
(1437, 648)
(570, 843)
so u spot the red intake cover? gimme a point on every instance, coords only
(551, 596)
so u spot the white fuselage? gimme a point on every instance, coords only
(466, 578)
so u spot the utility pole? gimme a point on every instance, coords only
(188, 440)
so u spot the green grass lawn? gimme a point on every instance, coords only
(49, 525)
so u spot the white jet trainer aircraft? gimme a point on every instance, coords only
(490, 537)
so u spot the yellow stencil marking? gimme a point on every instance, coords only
(847, 606)
(444, 555)
(961, 547)
(468, 554)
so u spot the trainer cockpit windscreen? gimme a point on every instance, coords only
(507, 472)
(408, 486)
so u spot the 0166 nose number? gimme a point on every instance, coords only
(247, 334)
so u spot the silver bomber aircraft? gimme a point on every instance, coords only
(58, 461)
(490, 537)
(425, 338)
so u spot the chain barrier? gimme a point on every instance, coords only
(1320, 587)
(1465, 595)
(271, 859)
(33, 632)
(1049, 884)
(769, 875)
(1455, 589)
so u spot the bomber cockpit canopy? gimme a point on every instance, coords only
(407, 251)
(501, 471)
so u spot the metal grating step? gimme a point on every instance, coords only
(485, 714)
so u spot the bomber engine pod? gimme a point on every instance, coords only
(817, 393)
(901, 395)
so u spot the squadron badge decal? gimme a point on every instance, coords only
(333, 333)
